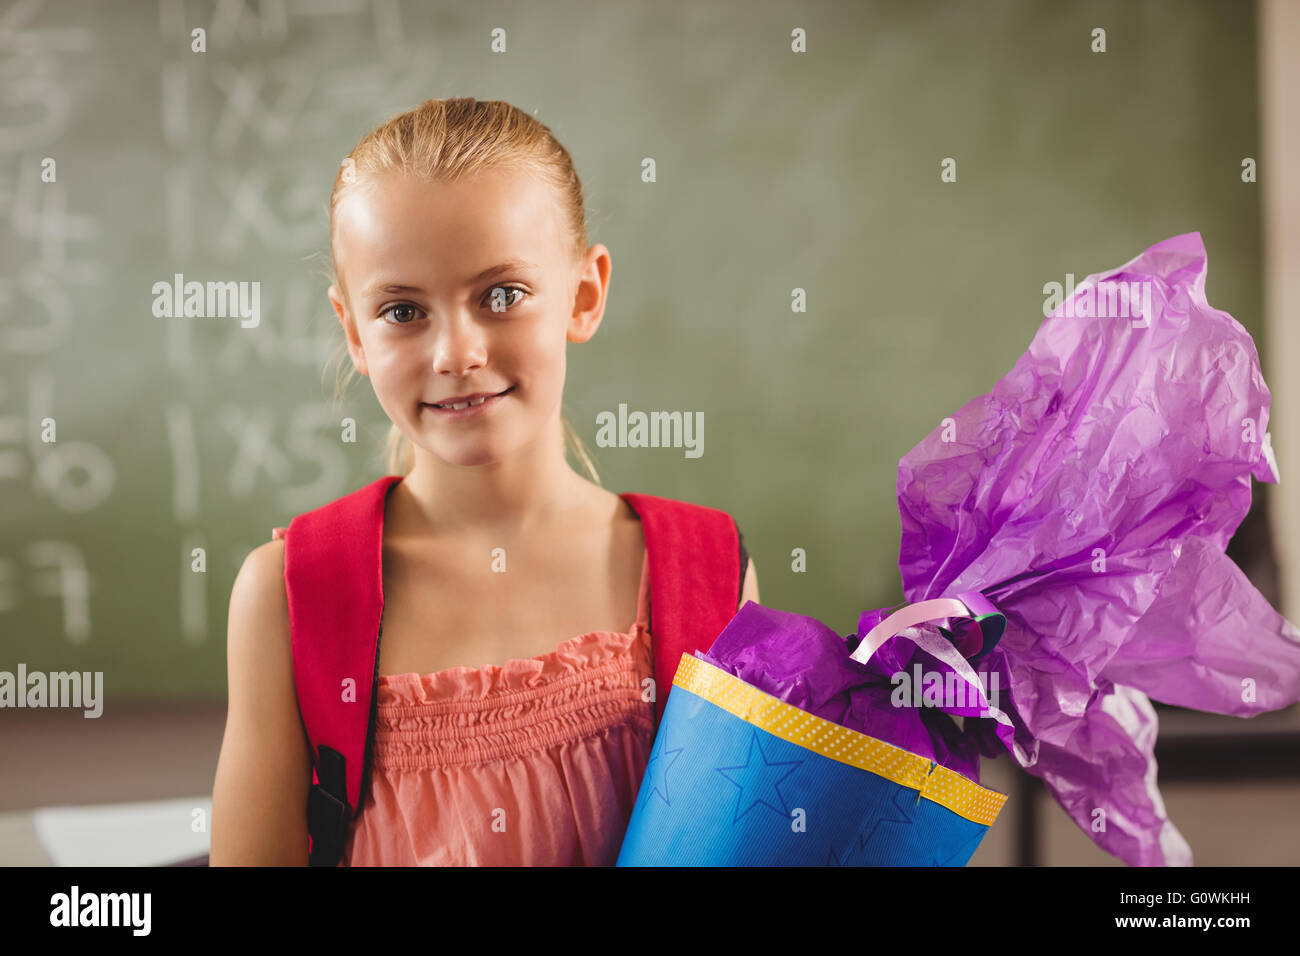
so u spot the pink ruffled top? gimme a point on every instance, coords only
(535, 762)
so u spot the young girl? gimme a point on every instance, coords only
(458, 239)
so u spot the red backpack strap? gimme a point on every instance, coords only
(334, 583)
(697, 566)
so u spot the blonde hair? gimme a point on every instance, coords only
(449, 140)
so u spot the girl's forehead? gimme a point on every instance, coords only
(396, 194)
(396, 209)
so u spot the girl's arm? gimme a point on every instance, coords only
(259, 797)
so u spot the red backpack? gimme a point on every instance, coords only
(334, 583)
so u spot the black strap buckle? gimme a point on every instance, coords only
(328, 812)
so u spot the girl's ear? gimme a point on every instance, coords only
(349, 330)
(589, 296)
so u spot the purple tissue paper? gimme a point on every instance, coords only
(1090, 496)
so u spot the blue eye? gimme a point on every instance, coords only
(497, 294)
(504, 306)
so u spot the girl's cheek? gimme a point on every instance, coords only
(391, 364)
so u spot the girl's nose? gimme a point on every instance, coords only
(459, 345)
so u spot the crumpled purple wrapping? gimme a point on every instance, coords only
(1090, 497)
(801, 661)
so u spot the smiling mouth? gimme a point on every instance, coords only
(458, 406)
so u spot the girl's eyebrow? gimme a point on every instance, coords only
(385, 287)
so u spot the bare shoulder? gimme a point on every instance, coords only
(260, 580)
(625, 526)
(258, 622)
(258, 648)
(610, 510)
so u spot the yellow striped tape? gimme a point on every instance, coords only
(942, 785)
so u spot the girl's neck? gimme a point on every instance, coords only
(533, 490)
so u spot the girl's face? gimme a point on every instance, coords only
(423, 265)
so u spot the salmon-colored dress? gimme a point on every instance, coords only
(534, 763)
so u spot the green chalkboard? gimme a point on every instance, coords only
(777, 169)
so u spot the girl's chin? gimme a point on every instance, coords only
(467, 454)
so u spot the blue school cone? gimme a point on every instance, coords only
(739, 778)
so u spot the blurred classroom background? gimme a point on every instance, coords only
(773, 172)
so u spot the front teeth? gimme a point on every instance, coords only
(459, 405)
